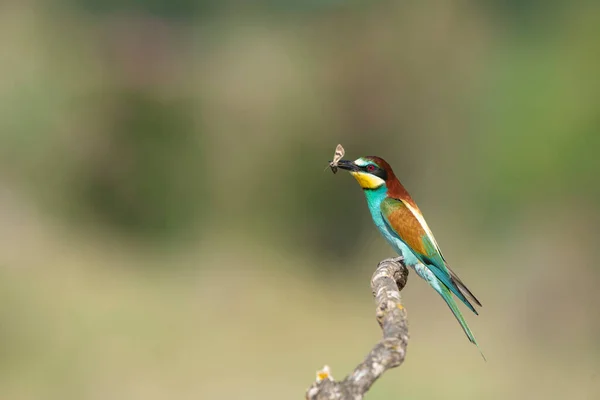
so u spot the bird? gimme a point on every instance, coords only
(401, 223)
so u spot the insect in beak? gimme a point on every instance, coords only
(337, 156)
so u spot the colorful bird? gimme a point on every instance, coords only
(402, 224)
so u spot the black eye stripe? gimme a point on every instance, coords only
(375, 170)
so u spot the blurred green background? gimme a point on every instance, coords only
(168, 232)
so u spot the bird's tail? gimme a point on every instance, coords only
(447, 296)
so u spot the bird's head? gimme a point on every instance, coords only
(370, 172)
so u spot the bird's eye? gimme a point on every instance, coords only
(370, 168)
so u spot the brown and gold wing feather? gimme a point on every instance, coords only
(410, 226)
(405, 224)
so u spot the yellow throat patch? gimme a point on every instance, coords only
(367, 181)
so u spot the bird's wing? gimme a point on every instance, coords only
(410, 227)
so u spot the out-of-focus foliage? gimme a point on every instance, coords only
(169, 231)
(145, 189)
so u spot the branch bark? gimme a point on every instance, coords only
(387, 282)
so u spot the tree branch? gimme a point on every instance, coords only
(387, 282)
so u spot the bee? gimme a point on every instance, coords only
(337, 156)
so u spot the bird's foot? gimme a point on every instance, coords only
(397, 259)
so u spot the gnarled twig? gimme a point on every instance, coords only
(387, 282)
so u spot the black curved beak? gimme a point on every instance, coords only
(348, 165)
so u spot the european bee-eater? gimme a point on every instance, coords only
(402, 224)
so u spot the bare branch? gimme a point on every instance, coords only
(387, 282)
